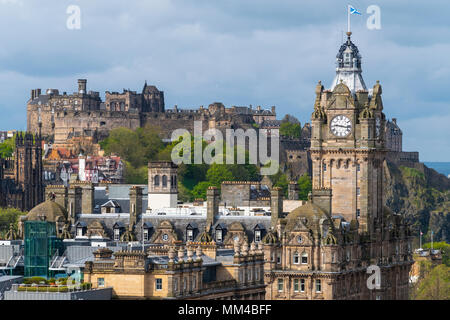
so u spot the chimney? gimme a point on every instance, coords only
(82, 85)
(212, 206)
(273, 110)
(322, 198)
(135, 203)
(37, 93)
(87, 200)
(33, 94)
(293, 190)
(276, 205)
(74, 203)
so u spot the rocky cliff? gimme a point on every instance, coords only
(423, 195)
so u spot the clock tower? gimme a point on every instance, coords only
(347, 143)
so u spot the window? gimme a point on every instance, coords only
(79, 232)
(358, 191)
(165, 237)
(296, 258)
(304, 258)
(318, 286)
(302, 285)
(280, 285)
(333, 257)
(175, 285)
(257, 235)
(194, 280)
(218, 235)
(278, 259)
(158, 284)
(116, 234)
(184, 284)
(256, 274)
(324, 167)
(358, 167)
(156, 181)
(145, 234)
(295, 285)
(190, 235)
(358, 213)
(164, 181)
(101, 282)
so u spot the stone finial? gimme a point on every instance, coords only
(172, 255)
(252, 248)
(199, 252)
(180, 255)
(237, 250)
(190, 254)
(244, 248)
(260, 248)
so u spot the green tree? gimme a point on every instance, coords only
(445, 250)
(7, 147)
(304, 186)
(292, 130)
(435, 285)
(199, 190)
(217, 173)
(8, 216)
(280, 180)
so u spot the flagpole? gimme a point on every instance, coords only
(420, 233)
(348, 18)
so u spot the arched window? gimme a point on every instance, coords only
(164, 181)
(156, 181)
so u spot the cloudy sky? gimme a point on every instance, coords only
(239, 52)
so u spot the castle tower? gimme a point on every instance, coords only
(347, 144)
(162, 185)
(28, 169)
(152, 99)
(82, 84)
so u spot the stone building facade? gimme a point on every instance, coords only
(322, 250)
(197, 270)
(21, 184)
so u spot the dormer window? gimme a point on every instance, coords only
(116, 234)
(218, 235)
(258, 232)
(79, 231)
(190, 235)
(190, 231)
(145, 234)
(257, 235)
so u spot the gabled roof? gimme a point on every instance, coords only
(111, 204)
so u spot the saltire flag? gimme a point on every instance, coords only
(353, 10)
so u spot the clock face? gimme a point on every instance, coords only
(341, 126)
(378, 126)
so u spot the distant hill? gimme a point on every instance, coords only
(441, 167)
